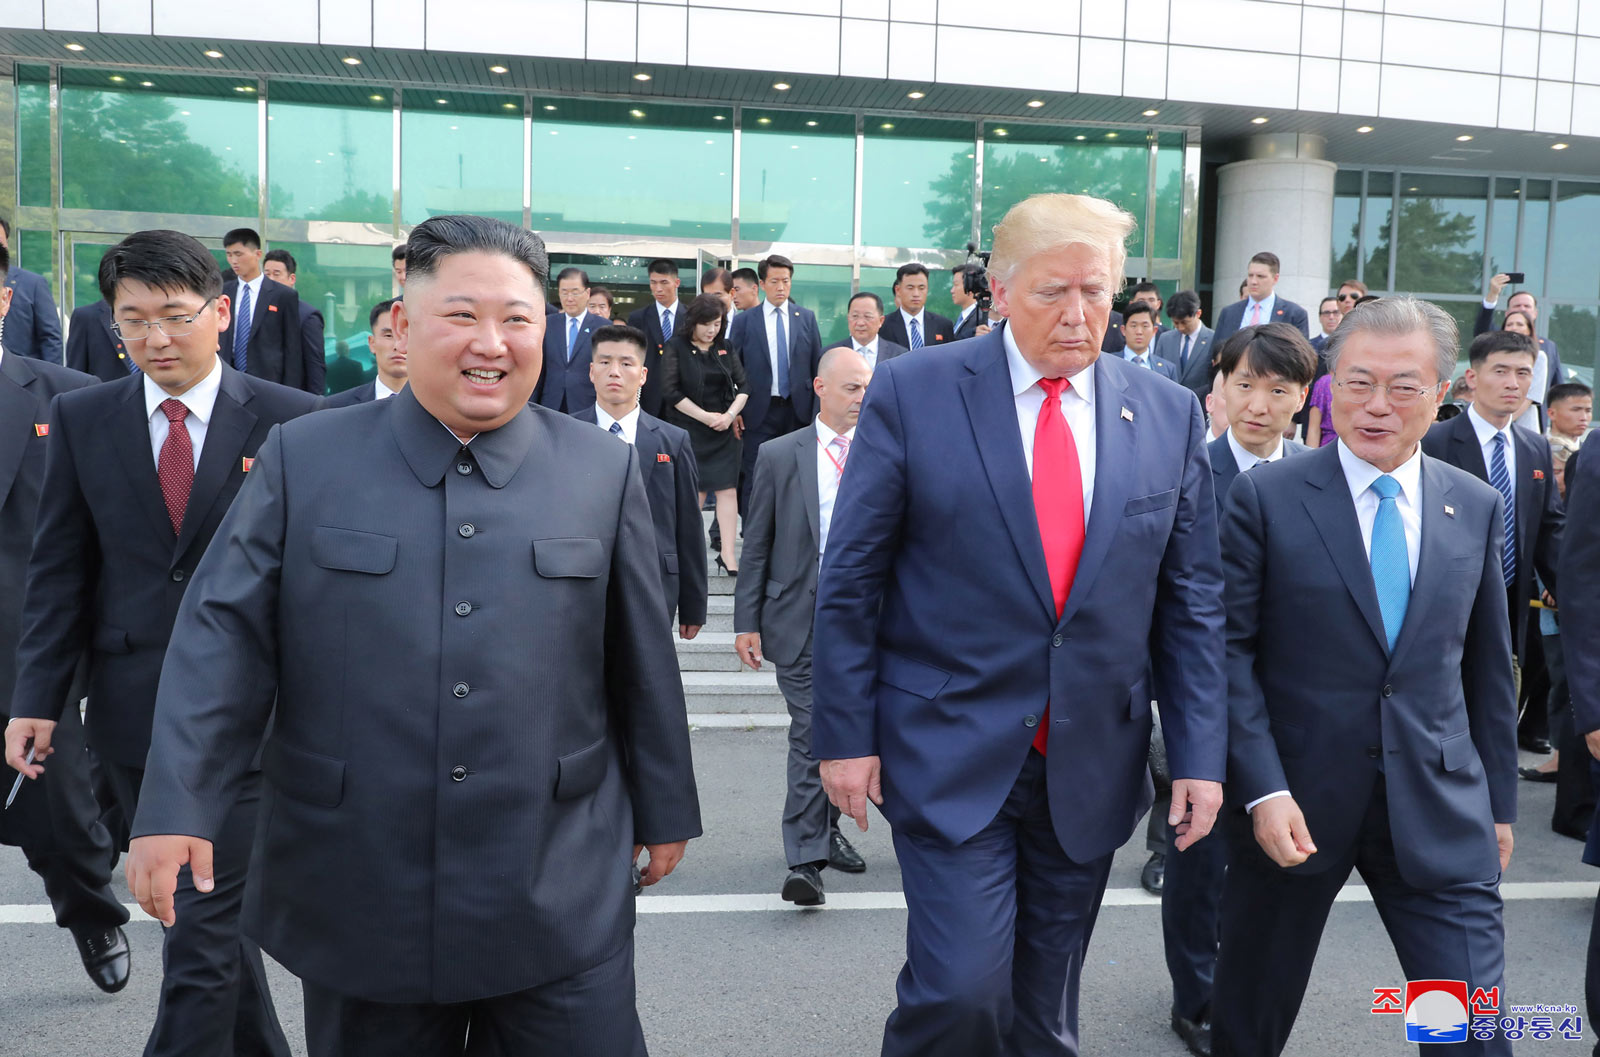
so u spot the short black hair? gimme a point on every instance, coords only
(1183, 304)
(250, 238)
(605, 292)
(1529, 294)
(704, 309)
(398, 253)
(662, 266)
(379, 310)
(1274, 350)
(1492, 341)
(1567, 391)
(5, 263)
(747, 275)
(876, 300)
(5, 226)
(167, 260)
(1324, 301)
(1268, 258)
(283, 257)
(1139, 308)
(914, 268)
(716, 275)
(569, 273)
(439, 237)
(1146, 287)
(776, 260)
(619, 332)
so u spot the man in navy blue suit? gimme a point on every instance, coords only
(1139, 338)
(1372, 720)
(32, 326)
(564, 383)
(1025, 534)
(1261, 304)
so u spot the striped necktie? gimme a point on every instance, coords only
(1500, 477)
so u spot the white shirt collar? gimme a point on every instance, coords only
(825, 435)
(254, 285)
(1360, 474)
(1246, 459)
(870, 347)
(1025, 375)
(1486, 429)
(772, 309)
(1132, 356)
(909, 316)
(579, 317)
(628, 422)
(673, 307)
(1266, 306)
(381, 391)
(201, 399)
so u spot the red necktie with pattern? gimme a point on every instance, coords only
(176, 465)
(1058, 504)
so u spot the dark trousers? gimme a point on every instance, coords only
(55, 820)
(1272, 922)
(214, 996)
(1575, 793)
(809, 819)
(1591, 975)
(779, 419)
(996, 934)
(591, 1014)
(1191, 919)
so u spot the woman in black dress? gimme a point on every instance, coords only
(703, 390)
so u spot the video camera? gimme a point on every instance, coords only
(975, 279)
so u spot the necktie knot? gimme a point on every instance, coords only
(842, 443)
(175, 410)
(1055, 386)
(1386, 487)
(616, 429)
(1500, 441)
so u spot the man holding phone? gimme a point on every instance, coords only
(1522, 301)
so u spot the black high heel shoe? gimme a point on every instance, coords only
(725, 570)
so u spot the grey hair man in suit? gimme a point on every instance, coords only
(1188, 344)
(785, 535)
(865, 319)
(1372, 720)
(450, 823)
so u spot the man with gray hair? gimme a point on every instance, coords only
(1025, 535)
(1382, 737)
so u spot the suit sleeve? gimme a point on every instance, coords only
(646, 693)
(1580, 613)
(1483, 322)
(1552, 524)
(1187, 637)
(1486, 679)
(46, 324)
(1557, 371)
(220, 677)
(1300, 320)
(311, 347)
(691, 537)
(671, 378)
(862, 539)
(1254, 767)
(58, 600)
(78, 343)
(760, 524)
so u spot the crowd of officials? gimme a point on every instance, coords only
(1059, 513)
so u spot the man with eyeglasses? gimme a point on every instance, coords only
(1329, 313)
(1373, 729)
(139, 475)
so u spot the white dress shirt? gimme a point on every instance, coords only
(922, 326)
(1247, 459)
(827, 481)
(1267, 305)
(380, 391)
(669, 310)
(769, 315)
(1486, 434)
(628, 422)
(255, 296)
(201, 400)
(569, 336)
(1077, 407)
(869, 352)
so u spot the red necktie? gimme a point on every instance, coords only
(176, 465)
(1058, 504)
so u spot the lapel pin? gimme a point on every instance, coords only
(245, 464)
(272, 308)
(41, 429)
(1127, 414)
(1449, 511)
(663, 457)
(1538, 475)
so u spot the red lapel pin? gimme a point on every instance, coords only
(41, 429)
(663, 457)
(272, 308)
(246, 463)
(1538, 475)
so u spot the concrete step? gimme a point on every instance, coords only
(709, 651)
(741, 691)
(719, 614)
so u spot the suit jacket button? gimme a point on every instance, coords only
(1373, 752)
(463, 608)
(1057, 641)
(461, 689)
(463, 468)
(467, 531)
(1388, 691)
(1030, 721)
(459, 773)
(177, 576)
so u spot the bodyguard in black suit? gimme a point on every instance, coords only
(138, 476)
(271, 346)
(93, 349)
(564, 384)
(55, 821)
(388, 360)
(911, 325)
(659, 321)
(450, 822)
(280, 267)
(666, 461)
(1501, 371)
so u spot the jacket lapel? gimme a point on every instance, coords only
(810, 485)
(1333, 514)
(226, 433)
(132, 444)
(18, 416)
(992, 408)
(1469, 453)
(1430, 563)
(1116, 444)
(1529, 509)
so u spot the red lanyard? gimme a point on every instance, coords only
(838, 467)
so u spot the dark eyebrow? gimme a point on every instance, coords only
(470, 300)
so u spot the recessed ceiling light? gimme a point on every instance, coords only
(711, 142)
(244, 88)
(1000, 132)
(498, 69)
(916, 95)
(1558, 146)
(351, 60)
(441, 102)
(147, 84)
(375, 97)
(1258, 121)
(811, 124)
(887, 125)
(118, 78)
(780, 86)
(641, 77)
(79, 47)
(637, 113)
(454, 127)
(1151, 113)
(212, 54)
(1364, 129)
(1410, 189)
(1080, 139)
(763, 121)
(1111, 135)
(1463, 139)
(1036, 103)
(549, 106)
(513, 106)
(553, 132)
(718, 117)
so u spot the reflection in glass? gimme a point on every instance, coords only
(33, 135)
(1535, 233)
(628, 168)
(342, 282)
(1169, 196)
(1503, 229)
(31, 250)
(1573, 329)
(1575, 253)
(1375, 232)
(628, 278)
(916, 185)
(1346, 224)
(330, 154)
(1022, 160)
(825, 289)
(183, 146)
(1441, 232)
(464, 159)
(797, 178)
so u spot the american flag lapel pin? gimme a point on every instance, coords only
(1449, 511)
(41, 429)
(1127, 415)
(245, 463)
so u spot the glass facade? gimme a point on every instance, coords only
(1442, 235)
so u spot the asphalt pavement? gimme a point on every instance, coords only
(726, 970)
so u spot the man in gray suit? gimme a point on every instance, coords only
(450, 822)
(1188, 344)
(865, 318)
(785, 534)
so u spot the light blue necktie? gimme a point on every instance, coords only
(241, 332)
(916, 335)
(1500, 477)
(783, 356)
(572, 335)
(1391, 565)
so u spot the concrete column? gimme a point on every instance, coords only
(1280, 199)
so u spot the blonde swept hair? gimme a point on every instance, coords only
(1040, 223)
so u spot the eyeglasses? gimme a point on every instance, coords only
(1400, 394)
(1330, 312)
(1349, 297)
(172, 326)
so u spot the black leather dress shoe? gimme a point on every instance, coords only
(105, 957)
(842, 856)
(803, 887)
(1534, 744)
(1533, 774)
(1154, 874)
(1196, 1035)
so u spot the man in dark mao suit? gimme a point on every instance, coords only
(450, 825)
